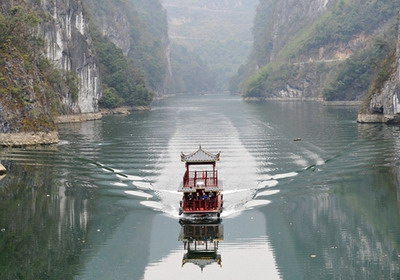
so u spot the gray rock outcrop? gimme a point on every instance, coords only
(69, 47)
(384, 105)
(34, 92)
(28, 139)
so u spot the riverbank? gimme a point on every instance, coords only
(342, 103)
(47, 138)
(378, 118)
(284, 99)
(300, 99)
(124, 110)
(78, 118)
(28, 139)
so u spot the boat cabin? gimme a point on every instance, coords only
(200, 185)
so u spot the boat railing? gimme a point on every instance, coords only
(202, 231)
(201, 204)
(208, 177)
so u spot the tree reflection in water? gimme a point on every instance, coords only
(47, 229)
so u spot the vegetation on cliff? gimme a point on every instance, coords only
(33, 88)
(123, 83)
(348, 19)
(30, 87)
(368, 68)
(141, 25)
(345, 42)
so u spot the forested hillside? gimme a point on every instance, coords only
(132, 44)
(329, 50)
(60, 58)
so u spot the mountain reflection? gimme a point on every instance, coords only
(200, 242)
(347, 225)
(43, 224)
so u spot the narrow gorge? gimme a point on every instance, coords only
(55, 69)
(330, 51)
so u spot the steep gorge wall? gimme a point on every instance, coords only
(139, 29)
(384, 104)
(283, 21)
(314, 49)
(277, 30)
(49, 65)
(62, 26)
(48, 68)
(69, 47)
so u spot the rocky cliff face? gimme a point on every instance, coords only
(139, 29)
(49, 64)
(47, 68)
(315, 49)
(285, 19)
(384, 104)
(68, 46)
(276, 25)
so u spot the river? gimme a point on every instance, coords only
(103, 203)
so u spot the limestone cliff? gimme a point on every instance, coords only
(284, 20)
(48, 64)
(316, 49)
(69, 47)
(384, 104)
(26, 94)
(139, 29)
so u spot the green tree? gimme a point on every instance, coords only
(123, 82)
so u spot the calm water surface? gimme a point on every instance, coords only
(103, 203)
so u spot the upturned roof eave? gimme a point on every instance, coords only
(200, 156)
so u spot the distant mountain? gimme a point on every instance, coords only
(216, 31)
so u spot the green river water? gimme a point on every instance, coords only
(103, 203)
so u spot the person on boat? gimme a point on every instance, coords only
(190, 196)
(204, 196)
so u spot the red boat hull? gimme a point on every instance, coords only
(198, 207)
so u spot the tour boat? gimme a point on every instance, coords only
(201, 188)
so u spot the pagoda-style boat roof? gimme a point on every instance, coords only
(200, 156)
(202, 260)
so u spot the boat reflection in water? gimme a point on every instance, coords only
(200, 242)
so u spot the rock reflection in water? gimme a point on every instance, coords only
(200, 242)
(43, 225)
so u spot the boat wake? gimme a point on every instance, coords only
(250, 180)
(155, 195)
